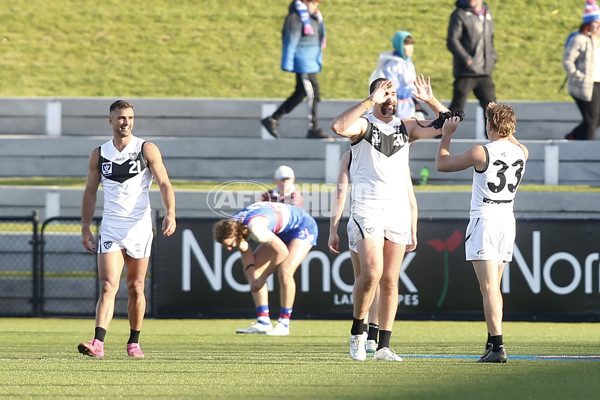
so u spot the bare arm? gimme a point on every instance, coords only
(444, 162)
(337, 208)
(350, 124)
(88, 204)
(414, 213)
(280, 253)
(159, 172)
(424, 92)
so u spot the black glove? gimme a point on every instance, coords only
(439, 122)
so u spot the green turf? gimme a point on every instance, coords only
(205, 359)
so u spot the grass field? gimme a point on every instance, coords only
(232, 49)
(205, 359)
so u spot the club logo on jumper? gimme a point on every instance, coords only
(108, 244)
(133, 156)
(446, 246)
(107, 168)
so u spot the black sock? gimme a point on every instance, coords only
(365, 328)
(373, 331)
(488, 343)
(99, 333)
(496, 342)
(134, 337)
(384, 339)
(357, 326)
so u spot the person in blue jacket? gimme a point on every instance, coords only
(303, 39)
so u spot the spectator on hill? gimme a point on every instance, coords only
(303, 38)
(490, 236)
(471, 41)
(397, 66)
(125, 165)
(285, 191)
(581, 61)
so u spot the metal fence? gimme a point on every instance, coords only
(45, 271)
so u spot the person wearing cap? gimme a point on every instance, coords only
(285, 191)
(303, 39)
(284, 234)
(397, 66)
(583, 72)
(471, 41)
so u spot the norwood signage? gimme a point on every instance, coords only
(554, 275)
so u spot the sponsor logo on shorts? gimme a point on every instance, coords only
(481, 253)
(107, 245)
(369, 230)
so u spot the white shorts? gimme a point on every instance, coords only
(490, 239)
(137, 241)
(366, 222)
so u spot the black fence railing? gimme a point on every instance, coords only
(45, 270)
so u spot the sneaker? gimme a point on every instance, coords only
(317, 134)
(95, 348)
(279, 330)
(270, 125)
(256, 328)
(486, 352)
(134, 350)
(495, 356)
(371, 346)
(357, 347)
(386, 354)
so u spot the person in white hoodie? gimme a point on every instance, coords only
(397, 66)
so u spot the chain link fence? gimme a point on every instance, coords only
(45, 271)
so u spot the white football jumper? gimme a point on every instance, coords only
(126, 180)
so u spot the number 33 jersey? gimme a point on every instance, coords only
(495, 187)
(126, 181)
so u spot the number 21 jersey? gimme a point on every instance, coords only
(126, 181)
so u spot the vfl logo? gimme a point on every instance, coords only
(107, 168)
(108, 244)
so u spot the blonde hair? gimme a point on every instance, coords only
(502, 118)
(227, 228)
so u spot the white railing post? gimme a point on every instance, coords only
(332, 161)
(551, 164)
(266, 111)
(54, 118)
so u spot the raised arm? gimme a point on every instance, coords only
(350, 124)
(444, 162)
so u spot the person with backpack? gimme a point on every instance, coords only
(583, 72)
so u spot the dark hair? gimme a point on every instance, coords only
(227, 228)
(120, 105)
(409, 40)
(375, 83)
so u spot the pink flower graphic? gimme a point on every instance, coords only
(446, 246)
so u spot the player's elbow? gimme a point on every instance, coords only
(441, 166)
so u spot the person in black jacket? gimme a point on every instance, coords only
(471, 42)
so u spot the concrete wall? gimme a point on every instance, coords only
(237, 118)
